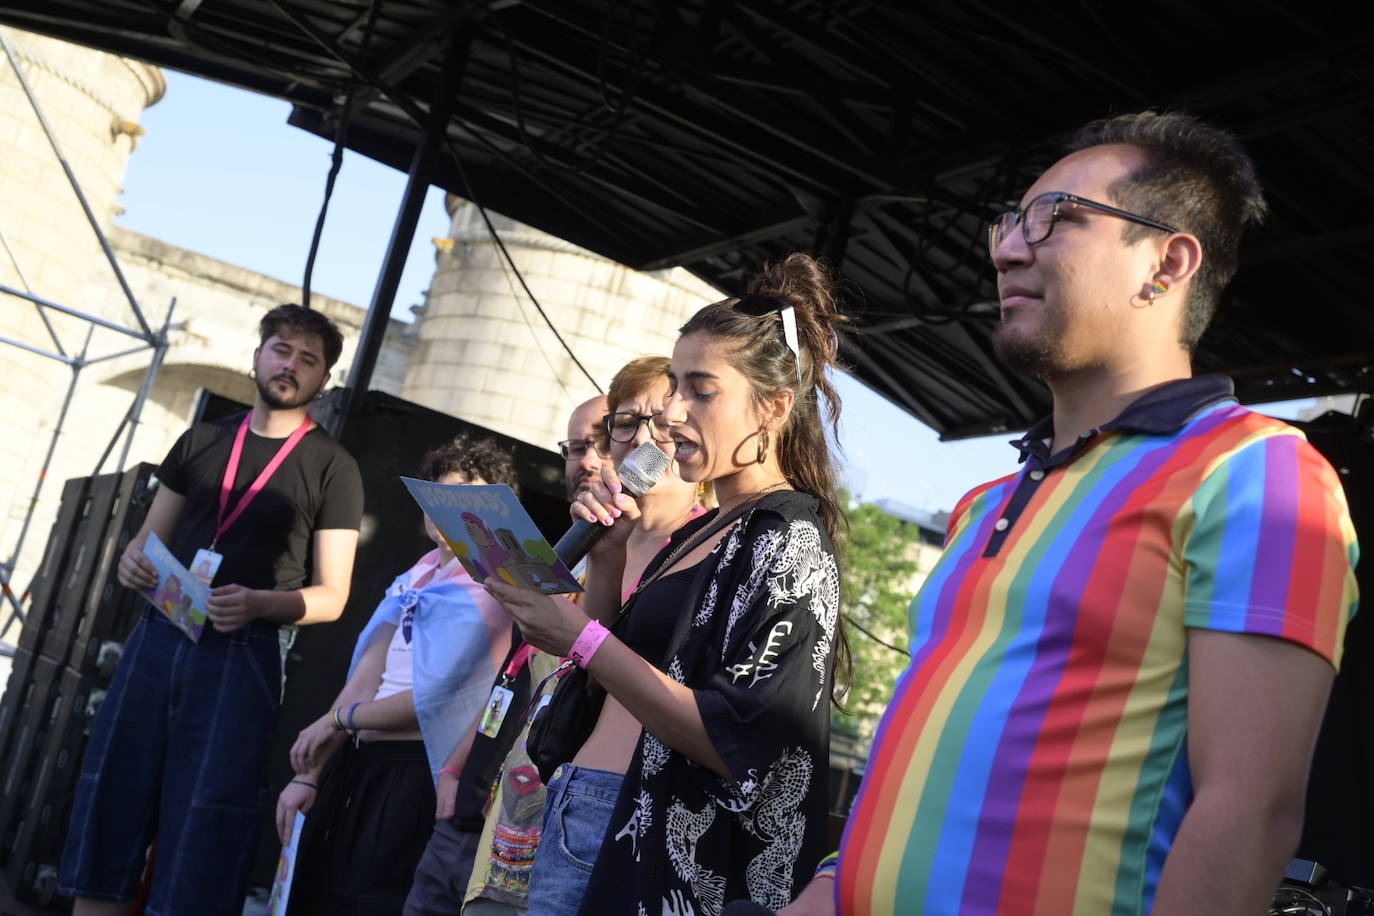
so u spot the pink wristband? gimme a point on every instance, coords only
(452, 771)
(588, 641)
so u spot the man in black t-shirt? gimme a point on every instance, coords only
(268, 506)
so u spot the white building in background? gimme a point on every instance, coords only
(483, 353)
(478, 350)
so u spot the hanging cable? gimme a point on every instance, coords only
(336, 158)
(501, 246)
(879, 640)
(418, 116)
(618, 110)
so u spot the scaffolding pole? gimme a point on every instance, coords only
(136, 409)
(147, 338)
(76, 186)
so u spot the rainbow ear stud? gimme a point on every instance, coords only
(1161, 287)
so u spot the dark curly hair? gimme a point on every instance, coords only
(483, 458)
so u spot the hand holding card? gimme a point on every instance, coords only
(178, 594)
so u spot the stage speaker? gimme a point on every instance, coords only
(388, 437)
(71, 514)
(42, 814)
(23, 762)
(77, 623)
(110, 611)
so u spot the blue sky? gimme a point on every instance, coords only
(222, 173)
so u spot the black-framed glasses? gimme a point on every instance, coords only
(1038, 217)
(759, 306)
(623, 426)
(576, 449)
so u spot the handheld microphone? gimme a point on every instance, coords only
(640, 470)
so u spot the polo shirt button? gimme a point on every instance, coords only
(1037, 475)
(1002, 524)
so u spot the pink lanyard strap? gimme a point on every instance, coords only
(231, 471)
(522, 655)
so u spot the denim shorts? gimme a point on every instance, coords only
(178, 751)
(577, 811)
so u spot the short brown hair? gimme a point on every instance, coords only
(635, 377)
(1196, 177)
(302, 320)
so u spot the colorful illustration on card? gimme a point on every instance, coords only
(491, 535)
(286, 870)
(178, 594)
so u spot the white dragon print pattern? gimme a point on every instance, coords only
(708, 605)
(684, 828)
(749, 591)
(807, 571)
(639, 823)
(655, 754)
(776, 819)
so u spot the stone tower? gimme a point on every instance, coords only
(93, 102)
(485, 355)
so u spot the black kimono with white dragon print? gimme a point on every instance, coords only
(759, 654)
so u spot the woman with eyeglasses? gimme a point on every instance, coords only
(513, 835)
(727, 690)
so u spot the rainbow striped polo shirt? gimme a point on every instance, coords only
(1034, 756)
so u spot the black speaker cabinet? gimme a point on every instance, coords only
(110, 610)
(41, 819)
(47, 583)
(23, 761)
(79, 576)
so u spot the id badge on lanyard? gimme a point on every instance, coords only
(208, 560)
(498, 704)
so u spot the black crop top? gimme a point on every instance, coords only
(649, 624)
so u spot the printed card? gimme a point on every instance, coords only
(491, 534)
(178, 594)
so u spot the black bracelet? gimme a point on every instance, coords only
(307, 783)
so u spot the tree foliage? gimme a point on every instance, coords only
(880, 566)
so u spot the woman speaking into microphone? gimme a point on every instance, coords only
(725, 686)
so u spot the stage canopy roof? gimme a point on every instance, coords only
(715, 134)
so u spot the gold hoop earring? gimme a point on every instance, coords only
(763, 447)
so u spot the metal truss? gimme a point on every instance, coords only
(148, 339)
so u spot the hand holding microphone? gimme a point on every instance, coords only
(607, 510)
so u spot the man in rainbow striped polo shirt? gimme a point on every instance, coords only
(1120, 663)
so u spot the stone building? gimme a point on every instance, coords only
(484, 354)
(478, 349)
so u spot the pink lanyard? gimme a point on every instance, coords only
(231, 471)
(517, 662)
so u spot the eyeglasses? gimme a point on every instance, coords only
(576, 449)
(624, 425)
(759, 306)
(1037, 218)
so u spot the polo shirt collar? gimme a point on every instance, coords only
(1161, 412)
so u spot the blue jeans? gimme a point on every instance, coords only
(577, 811)
(178, 751)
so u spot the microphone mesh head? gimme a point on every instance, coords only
(642, 468)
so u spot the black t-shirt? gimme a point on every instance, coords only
(269, 546)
